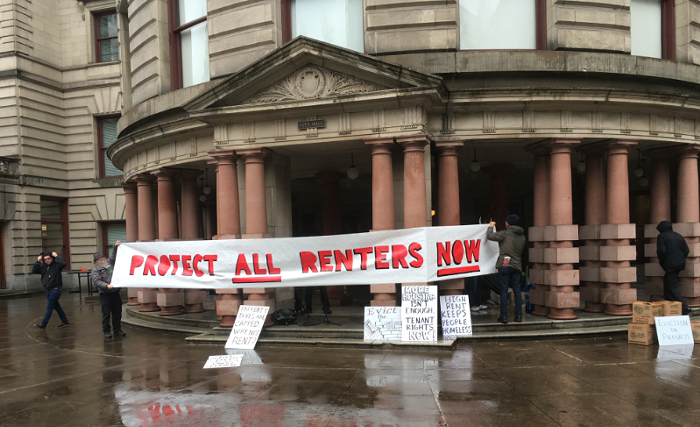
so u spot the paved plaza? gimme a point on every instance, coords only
(74, 377)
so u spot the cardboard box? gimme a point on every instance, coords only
(695, 326)
(638, 333)
(645, 312)
(511, 302)
(672, 308)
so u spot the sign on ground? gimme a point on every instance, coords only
(674, 330)
(382, 323)
(419, 313)
(246, 330)
(226, 361)
(455, 315)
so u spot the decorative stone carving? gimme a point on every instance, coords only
(312, 82)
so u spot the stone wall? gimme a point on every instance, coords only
(688, 31)
(595, 25)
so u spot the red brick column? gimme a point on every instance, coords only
(660, 211)
(132, 229)
(595, 215)
(147, 297)
(448, 200)
(192, 230)
(617, 252)
(536, 233)
(382, 208)
(688, 224)
(415, 204)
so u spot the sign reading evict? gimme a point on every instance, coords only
(395, 256)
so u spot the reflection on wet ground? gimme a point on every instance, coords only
(73, 376)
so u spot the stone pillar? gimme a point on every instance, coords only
(132, 229)
(589, 253)
(415, 203)
(332, 225)
(660, 211)
(147, 297)
(382, 208)
(561, 255)
(498, 193)
(688, 225)
(617, 252)
(448, 200)
(169, 300)
(536, 233)
(192, 230)
(228, 220)
(256, 218)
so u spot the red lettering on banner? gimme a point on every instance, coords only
(364, 254)
(186, 269)
(136, 261)
(413, 249)
(457, 251)
(242, 265)
(443, 253)
(195, 262)
(150, 267)
(380, 262)
(398, 256)
(256, 265)
(469, 250)
(164, 265)
(472, 249)
(324, 259)
(308, 262)
(344, 260)
(210, 259)
(174, 259)
(271, 268)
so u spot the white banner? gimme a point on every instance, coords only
(413, 255)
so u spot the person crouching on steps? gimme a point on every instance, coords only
(511, 243)
(110, 299)
(49, 265)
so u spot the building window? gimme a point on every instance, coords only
(189, 42)
(112, 232)
(106, 37)
(338, 22)
(653, 28)
(54, 227)
(106, 135)
(502, 24)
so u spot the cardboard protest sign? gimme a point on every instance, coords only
(419, 313)
(246, 330)
(674, 330)
(382, 323)
(456, 316)
(424, 254)
(226, 361)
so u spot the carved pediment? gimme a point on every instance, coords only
(312, 82)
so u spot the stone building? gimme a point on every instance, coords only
(277, 118)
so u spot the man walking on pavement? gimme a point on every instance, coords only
(511, 243)
(49, 265)
(671, 249)
(110, 299)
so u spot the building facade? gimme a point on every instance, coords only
(278, 118)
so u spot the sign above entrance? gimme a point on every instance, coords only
(312, 124)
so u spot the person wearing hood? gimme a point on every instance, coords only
(671, 249)
(110, 300)
(511, 243)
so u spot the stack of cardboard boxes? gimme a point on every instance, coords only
(642, 330)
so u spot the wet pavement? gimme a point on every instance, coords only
(73, 376)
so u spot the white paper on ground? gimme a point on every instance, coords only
(246, 330)
(674, 330)
(225, 361)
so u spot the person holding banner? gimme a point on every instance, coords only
(110, 300)
(511, 243)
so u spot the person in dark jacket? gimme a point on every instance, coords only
(49, 265)
(110, 299)
(671, 249)
(511, 243)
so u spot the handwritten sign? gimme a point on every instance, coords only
(246, 330)
(382, 323)
(456, 317)
(419, 313)
(674, 330)
(227, 361)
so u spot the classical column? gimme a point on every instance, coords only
(147, 297)
(191, 230)
(589, 253)
(382, 208)
(256, 218)
(415, 202)
(617, 252)
(132, 229)
(332, 225)
(170, 300)
(536, 233)
(561, 255)
(448, 200)
(498, 193)
(688, 217)
(660, 200)
(228, 220)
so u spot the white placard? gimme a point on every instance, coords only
(456, 316)
(383, 323)
(419, 313)
(674, 330)
(246, 330)
(675, 352)
(227, 361)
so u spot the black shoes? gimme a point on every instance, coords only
(119, 334)
(108, 335)
(518, 318)
(40, 325)
(502, 320)
(327, 311)
(63, 325)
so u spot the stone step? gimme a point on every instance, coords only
(11, 293)
(172, 320)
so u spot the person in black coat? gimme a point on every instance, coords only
(49, 265)
(671, 249)
(110, 300)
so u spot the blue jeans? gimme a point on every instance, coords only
(509, 276)
(52, 296)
